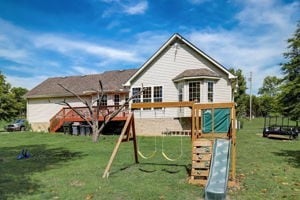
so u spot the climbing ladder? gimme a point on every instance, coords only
(201, 158)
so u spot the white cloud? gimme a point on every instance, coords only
(250, 46)
(13, 54)
(67, 46)
(139, 8)
(129, 8)
(84, 70)
(198, 1)
(25, 82)
(267, 12)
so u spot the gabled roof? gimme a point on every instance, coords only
(196, 73)
(172, 39)
(112, 81)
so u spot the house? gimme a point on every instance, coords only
(178, 71)
(44, 101)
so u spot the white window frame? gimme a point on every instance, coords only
(198, 91)
(210, 99)
(103, 102)
(138, 98)
(116, 99)
(141, 98)
(160, 97)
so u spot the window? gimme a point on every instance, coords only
(210, 91)
(147, 96)
(150, 94)
(135, 91)
(117, 100)
(126, 101)
(194, 91)
(157, 94)
(180, 92)
(104, 100)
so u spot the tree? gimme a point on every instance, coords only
(6, 100)
(270, 86)
(94, 107)
(290, 89)
(239, 87)
(12, 103)
(268, 101)
(20, 102)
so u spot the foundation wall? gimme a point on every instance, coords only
(155, 127)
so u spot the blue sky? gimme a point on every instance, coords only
(49, 38)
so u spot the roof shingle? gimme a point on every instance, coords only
(196, 73)
(111, 81)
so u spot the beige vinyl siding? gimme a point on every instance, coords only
(222, 91)
(42, 110)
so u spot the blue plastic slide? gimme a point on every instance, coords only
(216, 186)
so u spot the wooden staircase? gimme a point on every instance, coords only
(69, 115)
(201, 158)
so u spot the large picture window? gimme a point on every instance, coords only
(210, 91)
(194, 91)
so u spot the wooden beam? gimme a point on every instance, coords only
(213, 105)
(115, 151)
(162, 104)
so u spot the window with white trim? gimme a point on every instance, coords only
(194, 91)
(126, 100)
(117, 100)
(136, 99)
(157, 94)
(103, 102)
(147, 96)
(180, 92)
(210, 91)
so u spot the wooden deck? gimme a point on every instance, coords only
(68, 115)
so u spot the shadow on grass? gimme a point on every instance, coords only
(292, 157)
(15, 175)
(143, 168)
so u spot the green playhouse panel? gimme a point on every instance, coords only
(221, 120)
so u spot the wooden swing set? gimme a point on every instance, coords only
(202, 141)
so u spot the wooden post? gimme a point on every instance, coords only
(233, 146)
(193, 123)
(134, 140)
(115, 151)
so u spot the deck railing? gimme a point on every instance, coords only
(68, 115)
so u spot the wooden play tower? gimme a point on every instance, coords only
(203, 140)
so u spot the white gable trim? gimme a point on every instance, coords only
(165, 45)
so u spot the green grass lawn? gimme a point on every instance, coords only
(71, 167)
